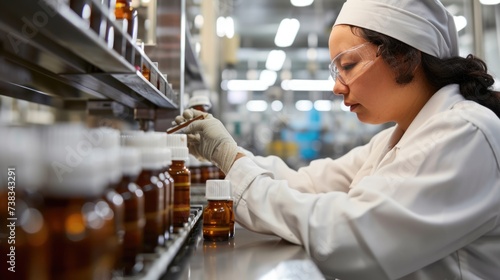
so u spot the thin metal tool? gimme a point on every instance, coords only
(184, 124)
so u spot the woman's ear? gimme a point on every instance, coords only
(407, 65)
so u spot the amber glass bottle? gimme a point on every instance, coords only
(206, 171)
(80, 224)
(126, 19)
(195, 168)
(217, 214)
(152, 187)
(182, 178)
(232, 227)
(166, 154)
(131, 261)
(107, 142)
(126, 16)
(24, 228)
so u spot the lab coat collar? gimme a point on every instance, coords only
(442, 100)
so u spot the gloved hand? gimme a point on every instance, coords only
(209, 139)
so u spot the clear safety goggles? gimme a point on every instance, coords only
(351, 63)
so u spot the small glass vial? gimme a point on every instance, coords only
(146, 72)
(182, 178)
(217, 214)
(131, 262)
(200, 102)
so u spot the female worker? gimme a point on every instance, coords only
(422, 199)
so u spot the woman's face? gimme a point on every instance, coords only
(371, 91)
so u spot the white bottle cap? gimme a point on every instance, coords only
(178, 146)
(138, 140)
(202, 100)
(130, 161)
(147, 143)
(110, 137)
(218, 190)
(166, 155)
(74, 167)
(110, 145)
(193, 161)
(20, 151)
(206, 163)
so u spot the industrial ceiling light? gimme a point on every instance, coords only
(221, 26)
(489, 2)
(307, 85)
(304, 105)
(275, 60)
(323, 105)
(268, 76)
(256, 105)
(287, 31)
(301, 3)
(225, 27)
(244, 85)
(277, 105)
(460, 22)
(229, 27)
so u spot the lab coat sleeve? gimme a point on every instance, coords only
(431, 199)
(322, 175)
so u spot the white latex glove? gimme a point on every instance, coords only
(209, 139)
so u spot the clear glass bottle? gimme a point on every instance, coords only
(182, 178)
(131, 262)
(217, 214)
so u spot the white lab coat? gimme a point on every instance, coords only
(427, 208)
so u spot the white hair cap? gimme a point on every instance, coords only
(423, 24)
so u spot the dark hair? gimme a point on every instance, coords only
(470, 73)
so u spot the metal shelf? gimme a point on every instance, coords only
(55, 39)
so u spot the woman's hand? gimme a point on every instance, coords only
(209, 139)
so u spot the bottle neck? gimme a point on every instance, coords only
(151, 171)
(218, 201)
(199, 108)
(178, 163)
(129, 177)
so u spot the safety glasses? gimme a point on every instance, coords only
(351, 63)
